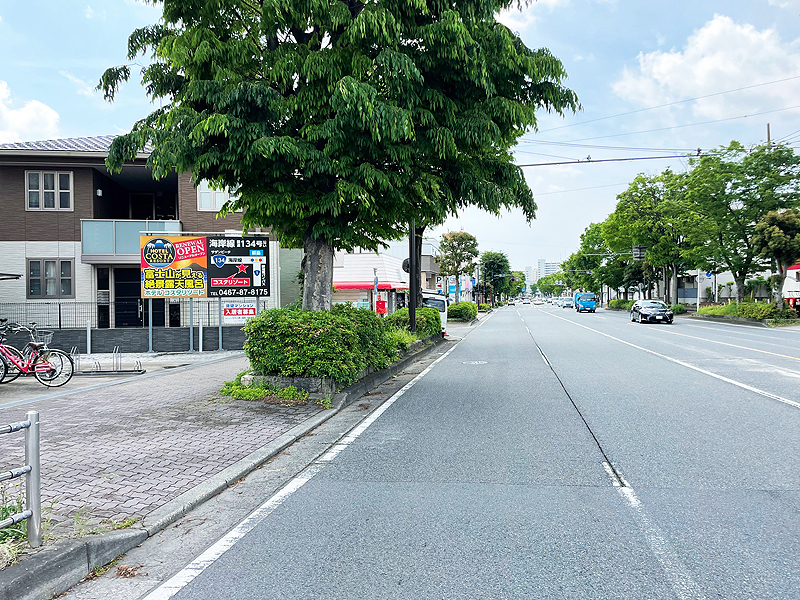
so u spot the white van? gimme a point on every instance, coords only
(439, 302)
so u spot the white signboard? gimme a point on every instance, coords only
(237, 313)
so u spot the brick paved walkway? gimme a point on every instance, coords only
(124, 450)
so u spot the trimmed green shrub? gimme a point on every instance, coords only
(757, 310)
(788, 313)
(428, 322)
(371, 331)
(304, 343)
(483, 307)
(621, 304)
(725, 310)
(463, 311)
(678, 309)
(400, 339)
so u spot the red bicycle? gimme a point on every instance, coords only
(51, 367)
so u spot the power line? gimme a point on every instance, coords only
(603, 147)
(766, 112)
(632, 112)
(595, 187)
(604, 160)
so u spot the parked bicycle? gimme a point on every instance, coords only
(51, 367)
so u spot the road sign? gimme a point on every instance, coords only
(238, 266)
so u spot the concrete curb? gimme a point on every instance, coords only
(735, 320)
(55, 570)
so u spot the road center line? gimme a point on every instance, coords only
(727, 344)
(679, 578)
(689, 366)
(181, 579)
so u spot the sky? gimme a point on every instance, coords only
(654, 79)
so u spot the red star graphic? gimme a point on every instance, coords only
(242, 269)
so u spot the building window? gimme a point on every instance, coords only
(211, 200)
(48, 190)
(50, 278)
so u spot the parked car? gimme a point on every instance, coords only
(651, 311)
(438, 302)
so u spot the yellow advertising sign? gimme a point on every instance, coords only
(174, 266)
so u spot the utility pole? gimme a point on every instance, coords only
(413, 277)
(769, 142)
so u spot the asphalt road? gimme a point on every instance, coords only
(548, 455)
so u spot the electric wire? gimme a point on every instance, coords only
(632, 112)
(605, 160)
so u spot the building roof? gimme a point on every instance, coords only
(99, 144)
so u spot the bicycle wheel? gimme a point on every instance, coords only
(2, 368)
(60, 371)
(12, 370)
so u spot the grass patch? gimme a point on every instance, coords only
(288, 396)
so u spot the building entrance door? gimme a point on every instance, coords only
(129, 309)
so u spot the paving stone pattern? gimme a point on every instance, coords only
(122, 451)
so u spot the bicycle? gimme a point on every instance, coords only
(51, 367)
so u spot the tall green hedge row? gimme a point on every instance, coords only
(340, 343)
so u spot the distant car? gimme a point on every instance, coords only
(567, 303)
(526, 301)
(511, 302)
(651, 311)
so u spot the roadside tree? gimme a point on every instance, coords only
(729, 194)
(495, 270)
(777, 237)
(459, 251)
(338, 123)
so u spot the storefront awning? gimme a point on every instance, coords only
(369, 285)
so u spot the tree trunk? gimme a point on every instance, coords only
(317, 274)
(458, 288)
(739, 288)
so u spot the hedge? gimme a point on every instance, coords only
(428, 322)
(304, 343)
(622, 304)
(463, 311)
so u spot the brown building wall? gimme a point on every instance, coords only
(19, 224)
(195, 220)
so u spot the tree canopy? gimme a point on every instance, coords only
(459, 251)
(340, 122)
(777, 237)
(496, 271)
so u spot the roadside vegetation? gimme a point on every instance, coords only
(463, 311)
(751, 310)
(340, 344)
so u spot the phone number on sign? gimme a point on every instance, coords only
(239, 292)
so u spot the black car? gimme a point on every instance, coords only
(651, 311)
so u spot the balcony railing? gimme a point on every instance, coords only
(117, 241)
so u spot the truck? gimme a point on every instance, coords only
(585, 301)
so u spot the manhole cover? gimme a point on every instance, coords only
(474, 362)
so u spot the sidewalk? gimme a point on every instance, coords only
(120, 448)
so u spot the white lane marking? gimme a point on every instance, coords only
(678, 575)
(181, 579)
(688, 366)
(728, 344)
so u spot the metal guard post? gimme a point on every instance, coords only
(33, 497)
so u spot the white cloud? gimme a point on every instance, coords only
(519, 19)
(793, 4)
(83, 88)
(721, 56)
(34, 121)
(91, 14)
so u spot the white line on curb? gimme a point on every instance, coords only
(181, 579)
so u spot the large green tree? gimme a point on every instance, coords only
(652, 212)
(730, 192)
(459, 251)
(777, 237)
(339, 122)
(496, 271)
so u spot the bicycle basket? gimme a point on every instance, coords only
(44, 336)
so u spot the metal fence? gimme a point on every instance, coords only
(178, 312)
(33, 494)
